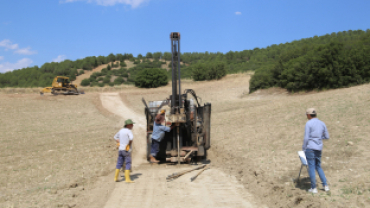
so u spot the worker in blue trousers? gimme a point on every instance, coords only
(315, 132)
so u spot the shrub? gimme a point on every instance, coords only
(111, 84)
(119, 80)
(106, 79)
(208, 71)
(151, 78)
(85, 82)
(72, 77)
(104, 71)
(101, 84)
(92, 78)
(123, 64)
(93, 84)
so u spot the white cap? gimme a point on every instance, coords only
(311, 111)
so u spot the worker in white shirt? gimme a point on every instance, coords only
(124, 138)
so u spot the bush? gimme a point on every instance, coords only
(111, 84)
(92, 78)
(101, 84)
(106, 79)
(100, 79)
(151, 78)
(93, 84)
(104, 72)
(119, 81)
(123, 64)
(72, 77)
(85, 82)
(208, 71)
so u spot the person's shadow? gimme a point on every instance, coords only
(133, 177)
(304, 183)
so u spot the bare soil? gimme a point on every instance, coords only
(57, 151)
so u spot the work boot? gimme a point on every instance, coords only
(116, 176)
(153, 160)
(127, 177)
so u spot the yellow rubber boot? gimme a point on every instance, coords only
(116, 176)
(127, 177)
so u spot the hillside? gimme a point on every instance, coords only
(342, 57)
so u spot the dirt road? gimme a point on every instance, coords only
(213, 188)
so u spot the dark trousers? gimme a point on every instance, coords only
(124, 156)
(154, 148)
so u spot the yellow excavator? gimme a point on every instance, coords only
(62, 86)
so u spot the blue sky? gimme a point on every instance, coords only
(33, 32)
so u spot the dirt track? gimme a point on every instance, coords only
(213, 188)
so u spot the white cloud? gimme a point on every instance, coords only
(238, 13)
(7, 44)
(25, 51)
(132, 3)
(25, 62)
(60, 58)
(1, 58)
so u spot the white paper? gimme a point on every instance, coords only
(302, 156)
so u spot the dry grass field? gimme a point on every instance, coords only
(49, 144)
(52, 148)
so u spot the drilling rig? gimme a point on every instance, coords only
(191, 137)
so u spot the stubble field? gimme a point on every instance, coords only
(52, 148)
(49, 144)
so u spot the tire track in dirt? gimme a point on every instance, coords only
(213, 188)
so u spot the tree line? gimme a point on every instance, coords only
(327, 62)
(43, 76)
(341, 57)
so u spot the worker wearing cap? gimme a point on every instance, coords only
(124, 138)
(315, 132)
(158, 134)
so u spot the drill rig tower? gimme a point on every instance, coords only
(191, 136)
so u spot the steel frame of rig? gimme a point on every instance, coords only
(191, 137)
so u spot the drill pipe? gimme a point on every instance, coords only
(194, 177)
(176, 175)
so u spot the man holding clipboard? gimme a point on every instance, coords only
(315, 132)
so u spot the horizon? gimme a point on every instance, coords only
(75, 29)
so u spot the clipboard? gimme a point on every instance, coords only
(302, 157)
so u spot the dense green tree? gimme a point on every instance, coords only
(151, 78)
(111, 57)
(119, 81)
(123, 64)
(157, 55)
(167, 56)
(149, 55)
(85, 82)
